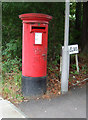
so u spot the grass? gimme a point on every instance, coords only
(11, 87)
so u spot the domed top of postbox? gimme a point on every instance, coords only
(35, 17)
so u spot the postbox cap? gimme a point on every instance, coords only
(35, 17)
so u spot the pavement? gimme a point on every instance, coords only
(70, 105)
(8, 110)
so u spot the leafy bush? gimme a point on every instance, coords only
(10, 66)
(74, 66)
(11, 62)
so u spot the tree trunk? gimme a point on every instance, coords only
(78, 22)
(84, 42)
(78, 15)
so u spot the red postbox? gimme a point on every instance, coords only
(34, 53)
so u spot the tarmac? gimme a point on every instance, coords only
(70, 105)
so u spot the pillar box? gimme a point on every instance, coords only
(34, 53)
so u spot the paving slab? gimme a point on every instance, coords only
(70, 105)
(8, 110)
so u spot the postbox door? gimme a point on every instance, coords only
(34, 52)
(40, 52)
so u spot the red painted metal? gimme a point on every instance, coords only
(34, 56)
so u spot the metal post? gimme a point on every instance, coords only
(68, 64)
(64, 74)
(77, 66)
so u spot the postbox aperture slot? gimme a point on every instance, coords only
(35, 27)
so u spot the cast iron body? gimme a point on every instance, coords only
(34, 53)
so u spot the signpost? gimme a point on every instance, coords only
(73, 49)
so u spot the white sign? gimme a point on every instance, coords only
(38, 38)
(73, 49)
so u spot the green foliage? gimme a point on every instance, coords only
(12, 65)
(6, 90)
(55, 62)
(12, 25)
(84, 67)
(71, 72)
(74, 66)
(11, 87)
(50, 67)
(17, 79)
(11, 62)
(76, 72)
